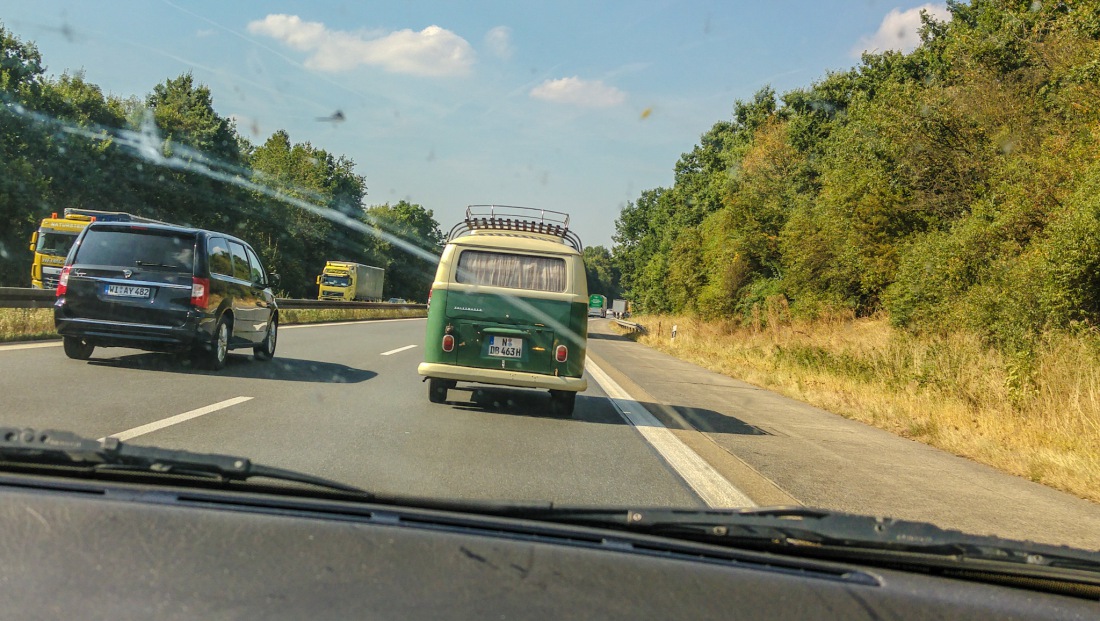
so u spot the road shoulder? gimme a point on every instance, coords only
(777, 447)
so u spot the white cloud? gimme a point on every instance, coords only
(578, 92)
(433, 51)
(499, 42)
(899, 30)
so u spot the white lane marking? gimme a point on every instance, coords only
(330, 324)
(711, 486)
(29, 345)
(398, 350)
(175, 420)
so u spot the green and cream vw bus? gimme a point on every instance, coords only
(509, 306)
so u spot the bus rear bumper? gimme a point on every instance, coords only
(502, 377)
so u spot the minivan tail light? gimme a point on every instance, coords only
(63, 281)
(561, 353)
(200, 291)
(448, 343)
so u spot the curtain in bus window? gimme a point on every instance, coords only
(515, 271)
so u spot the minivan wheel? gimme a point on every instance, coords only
(437, 390)
(77, 348)
(266, 349)
(562, 402)
(219, 346)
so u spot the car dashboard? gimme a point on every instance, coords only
(88, 549)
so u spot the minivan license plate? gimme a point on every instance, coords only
(505, 347)
(127, 291)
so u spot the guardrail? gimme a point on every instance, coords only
(17, 297)
(291, 304)
(630, 325)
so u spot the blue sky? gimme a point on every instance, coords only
(571, 106)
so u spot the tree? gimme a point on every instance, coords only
(23, 145)
(601, 273)
(408, 242)
(310, 224)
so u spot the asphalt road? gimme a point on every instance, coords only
(343, 401)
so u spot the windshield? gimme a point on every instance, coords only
(686, 255)
(55, 244)
(335, 281)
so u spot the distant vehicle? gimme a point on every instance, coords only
(165, 288)
(507, 306)
(397, 301)
(597, 305)
(55, 236)
(352, 282)
(619, 308)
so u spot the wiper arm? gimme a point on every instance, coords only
(807, 529)
(153, 264)
(63, 448)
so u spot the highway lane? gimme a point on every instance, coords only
(344, 401)
(332, 404)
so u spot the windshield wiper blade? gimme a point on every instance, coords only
(49, 447)
(809, 529)
(154, 264)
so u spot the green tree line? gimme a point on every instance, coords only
(953, 187)
(170, 156)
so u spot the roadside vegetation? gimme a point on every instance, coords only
(1037, 418)
(914, 242)
(64, 143)
(317, 315)
(28, 324)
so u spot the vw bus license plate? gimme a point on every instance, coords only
(505, 347)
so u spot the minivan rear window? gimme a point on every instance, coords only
(147, 249)
(514, 271)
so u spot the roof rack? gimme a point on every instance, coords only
(522, 219)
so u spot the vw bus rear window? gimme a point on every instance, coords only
(514, 271)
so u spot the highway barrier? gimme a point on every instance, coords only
(630, 325)
(17, 297)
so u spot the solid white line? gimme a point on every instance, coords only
(29, 345)
(329, 324)
(398, 350)
(175, 420)
(711, 486)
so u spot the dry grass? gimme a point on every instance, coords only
(1037, 418)
(27, 324)
(290, 317)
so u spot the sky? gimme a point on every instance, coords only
(567, 106)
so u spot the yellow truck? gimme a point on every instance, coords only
(344, 280)
(55, 236)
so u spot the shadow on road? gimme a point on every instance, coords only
(608, 336)
(520, 402)
(237, 365)
(592, 409)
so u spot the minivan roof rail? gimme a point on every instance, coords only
(512, 218)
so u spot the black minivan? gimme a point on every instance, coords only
(165, 288)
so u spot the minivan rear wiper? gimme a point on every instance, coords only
(141, 263)
(53, 448)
